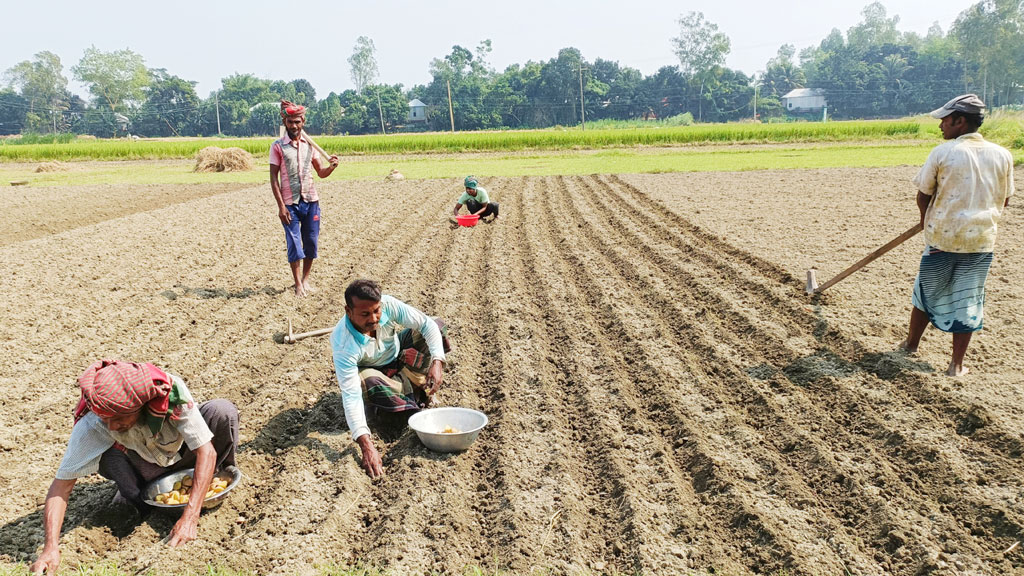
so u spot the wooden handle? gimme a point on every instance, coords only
(280, 134)
(293, 338)
(871, 257)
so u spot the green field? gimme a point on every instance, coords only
(565, 139)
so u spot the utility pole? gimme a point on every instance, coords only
(381, 110)
(451, 114)
(755, 101)
(583, 118)
(216, 104)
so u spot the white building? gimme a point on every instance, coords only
(417, 111)
(804, 100)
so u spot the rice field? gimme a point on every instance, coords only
(563, 139)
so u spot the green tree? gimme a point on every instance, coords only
(171, 107)
(43, 86)
(13, 109)
(363, 63)
(991, 36)
(701, 49)
(117, 80)
(875, 30)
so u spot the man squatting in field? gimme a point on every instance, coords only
(476, 200)
(133, 424)
(298, 205)
(389, 353)
(962, 190)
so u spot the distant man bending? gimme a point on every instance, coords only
(962, 190)
(476, 200)
(388, 352)
(134, 423)
(292, 161)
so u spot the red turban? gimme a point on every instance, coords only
(290, 109)
(116, 388)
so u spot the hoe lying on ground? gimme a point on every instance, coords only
(812, 281)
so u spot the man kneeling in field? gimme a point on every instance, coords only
(389, 352)
(133, 424)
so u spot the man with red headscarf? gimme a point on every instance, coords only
(133, 423)
(292, 161)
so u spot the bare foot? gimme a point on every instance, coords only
(904, 346)
(307, 287)
(299, 293)
(955, 372)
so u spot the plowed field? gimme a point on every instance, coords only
(663, 397)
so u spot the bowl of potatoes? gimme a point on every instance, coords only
(174, 490)
(448, 429)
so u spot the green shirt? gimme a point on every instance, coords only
(481, 196)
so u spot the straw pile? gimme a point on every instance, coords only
(394, 175)
(213, 159)
(51, 167)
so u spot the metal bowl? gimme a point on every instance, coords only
(166, 484)
(429, 424)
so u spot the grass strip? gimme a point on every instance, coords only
(564, 139)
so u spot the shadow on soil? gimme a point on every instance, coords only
(293, 427)
(89, 506)
(208, 293)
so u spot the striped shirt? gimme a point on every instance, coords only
(353, 350)
(295, 158)
(90, 438)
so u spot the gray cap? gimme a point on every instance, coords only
(967, 103)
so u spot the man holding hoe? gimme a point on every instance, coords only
(134, 423)
(962, 190)
(292, 161)
(388, 352)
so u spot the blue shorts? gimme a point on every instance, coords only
(304, 231)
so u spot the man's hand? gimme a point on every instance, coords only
(334, 160)
(185, 530)
(284, 215)
(434, 377)
(372, 463)
(48, 561)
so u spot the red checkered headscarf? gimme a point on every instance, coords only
(115, 388)
(290, 109)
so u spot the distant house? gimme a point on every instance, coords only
(417, 111)
(804, 100)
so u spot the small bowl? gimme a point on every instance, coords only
(428, 425)
(467, 219)
(166, 484)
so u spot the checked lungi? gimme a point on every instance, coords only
(399, 386)
(950, 288)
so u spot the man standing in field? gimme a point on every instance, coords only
(388, 352)
(292, 161)
(133, 424)
(476, 200)
(962, 190)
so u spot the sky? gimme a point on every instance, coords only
(205, 41)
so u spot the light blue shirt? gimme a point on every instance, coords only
(353, 350)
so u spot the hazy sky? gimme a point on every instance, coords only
(205, 41)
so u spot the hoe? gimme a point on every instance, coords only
(812, 281)
(291, 338)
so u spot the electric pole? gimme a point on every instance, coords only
(216, 104)
(451, 114)
(583, 118)
(381, 110)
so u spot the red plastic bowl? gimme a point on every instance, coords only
(467, 219)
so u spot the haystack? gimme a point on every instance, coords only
(394, 175)
(213, 159)
(51, 167)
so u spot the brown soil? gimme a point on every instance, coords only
(663, 397)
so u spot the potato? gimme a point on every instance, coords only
(184, 499)
(209, 494)
(160, 497)
(186, 481)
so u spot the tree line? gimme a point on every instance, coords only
(872, 70)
